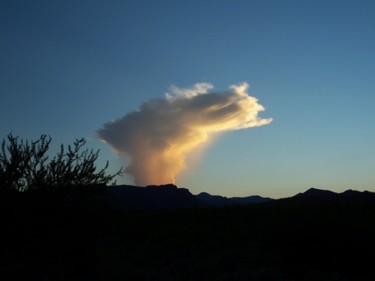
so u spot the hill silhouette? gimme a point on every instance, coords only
(217, 200)
(327, 196)
(150, 197)
(170, 196)
(167, 233)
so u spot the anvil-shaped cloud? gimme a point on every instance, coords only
(158, 136)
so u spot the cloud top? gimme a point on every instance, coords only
(158, 136)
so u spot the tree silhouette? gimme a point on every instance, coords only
(25, 165)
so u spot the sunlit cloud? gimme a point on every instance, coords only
(157, 137)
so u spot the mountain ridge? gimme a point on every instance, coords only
(218, 200)
(315, 194)
(169, 196)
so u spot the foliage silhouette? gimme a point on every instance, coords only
(24, 166)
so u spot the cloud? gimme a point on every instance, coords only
(157, 137)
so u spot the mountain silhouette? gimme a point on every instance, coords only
(217, 200)
(314, 194)
(213, 200)
(150, 197)
(167, 233)
(169, 196)
(354, 195)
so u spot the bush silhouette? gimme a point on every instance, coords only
(25, 165)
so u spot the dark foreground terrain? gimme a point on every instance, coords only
(45, 237)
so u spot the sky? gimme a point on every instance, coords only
(69, 67)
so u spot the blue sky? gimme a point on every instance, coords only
(68, 67)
